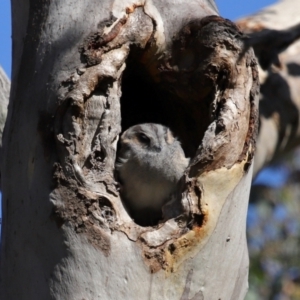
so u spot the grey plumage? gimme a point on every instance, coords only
(150, 163)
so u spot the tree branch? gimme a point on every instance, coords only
(274, 33)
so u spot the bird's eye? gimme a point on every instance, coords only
(143, 138)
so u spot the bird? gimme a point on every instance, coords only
(149, 164)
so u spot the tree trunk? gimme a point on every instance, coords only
(85, 71)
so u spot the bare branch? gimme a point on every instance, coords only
(275, 31)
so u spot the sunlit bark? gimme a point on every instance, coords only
(80, 70)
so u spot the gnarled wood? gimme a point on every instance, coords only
(280, 86)
(66, 221)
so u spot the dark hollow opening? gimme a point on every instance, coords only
(146, 101)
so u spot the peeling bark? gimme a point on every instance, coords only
(196, 76)
(274, 32)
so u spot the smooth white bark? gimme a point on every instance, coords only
(4, 96)
(279, 128)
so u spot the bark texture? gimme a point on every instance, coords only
(4, 96)
(273, 30)
(78, 79)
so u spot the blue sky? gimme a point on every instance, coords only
(231, 9)
(5, 36)
(234, 9)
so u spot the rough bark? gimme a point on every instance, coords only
(273, 30)
(66, 232)
(4, 96)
